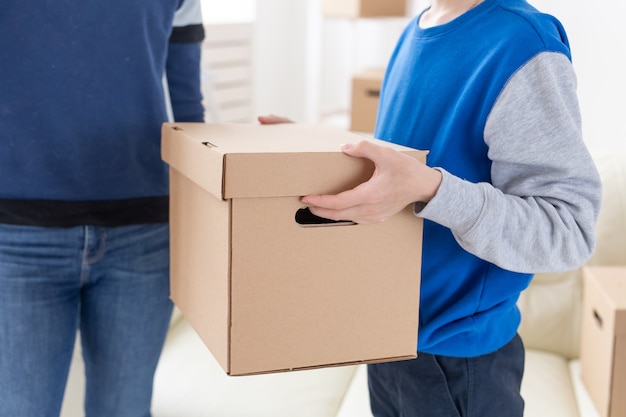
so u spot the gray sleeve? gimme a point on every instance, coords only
(539, 212)
(189, 13)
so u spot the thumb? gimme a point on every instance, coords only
(362, 149)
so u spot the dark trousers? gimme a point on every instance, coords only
(443, 386)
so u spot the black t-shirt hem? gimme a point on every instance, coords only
(106, 213)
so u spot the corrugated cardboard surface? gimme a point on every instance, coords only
(340, 293)
(603, 343)
(200, 264)
(267, 294)
(365, 93)
(245, 160)
(363, 8)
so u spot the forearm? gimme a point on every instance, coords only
(183, 67)
(523, 234)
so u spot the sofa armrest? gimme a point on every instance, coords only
(585, 405)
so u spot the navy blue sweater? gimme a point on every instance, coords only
(82, 100)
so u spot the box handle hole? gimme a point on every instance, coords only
(305, 218)
(598, 318)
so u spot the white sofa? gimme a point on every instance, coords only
(189, 383)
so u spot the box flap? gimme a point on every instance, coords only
(247, 161)
(183, 149)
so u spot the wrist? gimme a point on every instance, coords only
(429, 184)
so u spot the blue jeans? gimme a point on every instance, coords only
(113, 285)
(442, 386)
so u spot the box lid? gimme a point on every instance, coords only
(247, 160)
(611, 281)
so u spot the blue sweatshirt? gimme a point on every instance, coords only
(492, 96)
(82, 100)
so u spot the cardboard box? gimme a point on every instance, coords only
(365, 92)
(264, 292)
(603, 343)
(363, 8)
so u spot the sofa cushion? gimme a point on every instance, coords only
(551, 311)
(611, 226)
(356, 402)
(547, 388)
(189, 382)
(177, 316)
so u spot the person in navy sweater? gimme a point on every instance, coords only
(84, 89)
(510, 189)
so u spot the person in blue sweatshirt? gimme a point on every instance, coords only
(509, 190)
(84, 89)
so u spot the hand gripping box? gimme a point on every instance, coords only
(363, 8)
(603, 341)
(365, 94)
(265, 290)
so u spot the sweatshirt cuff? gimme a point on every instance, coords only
(457, 204)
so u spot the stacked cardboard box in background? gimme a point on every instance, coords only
(363, 8)
(365, 94)
(603, 339)
(265, 290)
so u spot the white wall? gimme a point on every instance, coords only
(349, 46)
(229, 11)
(304, 62)
(286, 60)
(598, 41)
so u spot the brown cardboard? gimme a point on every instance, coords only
(264, 293)
(363, 8)
(603, 343)
(365, 93)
